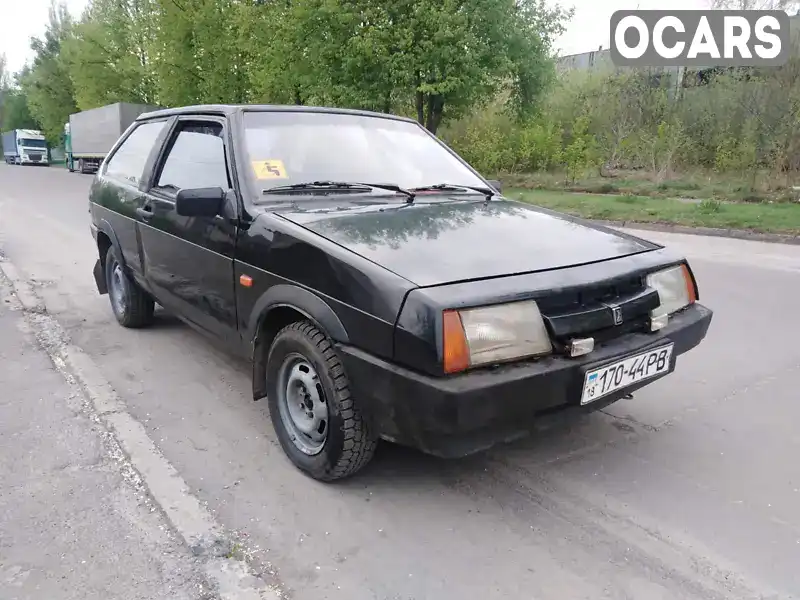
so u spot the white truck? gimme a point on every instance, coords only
(90, 134)
(25, 147)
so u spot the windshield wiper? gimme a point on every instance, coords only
(353, 186)
(449, 187)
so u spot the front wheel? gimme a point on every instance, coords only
(132, 306)
(319, 424)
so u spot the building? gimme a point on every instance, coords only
(600, 61)
(679, 77)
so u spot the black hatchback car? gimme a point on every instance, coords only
(380, 286)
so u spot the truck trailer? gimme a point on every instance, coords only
(25, 147)
(90, 134)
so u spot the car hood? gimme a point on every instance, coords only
(441, 242)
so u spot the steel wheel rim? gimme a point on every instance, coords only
(117, 289)
(302, 404)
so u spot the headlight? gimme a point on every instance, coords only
(492, 334)
(675, 289)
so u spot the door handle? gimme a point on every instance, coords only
(145, 213)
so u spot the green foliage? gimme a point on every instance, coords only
(3, 88)
(3, 72)
(538, 145)
(108, 54)
(14, 111)
(477, 72)
(493, 142)
(579, 153)
(16, 114)
(709, 206)
(47, 85)
(198, 51)
(742, 123)
(735, 154)
(437, 60)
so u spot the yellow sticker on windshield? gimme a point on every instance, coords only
(269, 169)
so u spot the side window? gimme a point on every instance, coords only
(128, 161)
(196, 158)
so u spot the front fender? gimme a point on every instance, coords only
(299, 299)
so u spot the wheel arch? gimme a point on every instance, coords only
(279, 306)
(105, 239)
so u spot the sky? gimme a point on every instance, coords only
(588, 29)
(591, 23)
(22, 19)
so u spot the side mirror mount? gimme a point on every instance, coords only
(200, 202)
(495, 183)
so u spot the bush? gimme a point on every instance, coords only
(742, 125)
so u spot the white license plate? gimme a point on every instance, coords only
(626, 372)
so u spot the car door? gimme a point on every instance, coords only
(188, 261)
(118, 192)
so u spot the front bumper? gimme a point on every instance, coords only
(460, 415)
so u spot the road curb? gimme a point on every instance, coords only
(739, 234)
(22, 289)
(229, 571)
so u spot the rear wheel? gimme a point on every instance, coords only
(132, 306)
(319, 424)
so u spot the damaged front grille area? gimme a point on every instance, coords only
(604, 311)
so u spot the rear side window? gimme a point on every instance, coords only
(129, 159)
(196, 158)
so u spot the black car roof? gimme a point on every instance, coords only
(229, 109)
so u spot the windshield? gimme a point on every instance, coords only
(28, 143)
(286, 148)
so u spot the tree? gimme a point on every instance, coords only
(16, 114)
(430, 58)
(790, 6)
(3, 87)
(283, 69)
(109, 53)
(176, 70)
(47, 85)
(199, 52)
(3, 72)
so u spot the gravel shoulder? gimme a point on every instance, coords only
(75, 520)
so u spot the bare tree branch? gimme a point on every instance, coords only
(790, 6)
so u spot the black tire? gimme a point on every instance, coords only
(350, 443)
(137, 307)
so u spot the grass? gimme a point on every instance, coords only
(698, 185)
(766, 218)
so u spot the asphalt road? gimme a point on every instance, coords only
(691, 490)
(73, 523)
